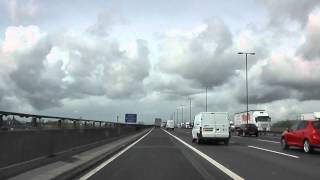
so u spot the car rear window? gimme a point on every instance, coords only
(316, 124)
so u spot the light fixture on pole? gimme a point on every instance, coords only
(247, 91)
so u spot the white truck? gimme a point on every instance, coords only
(258, 117)
(314, 116)
(170, 125)
(211, 126)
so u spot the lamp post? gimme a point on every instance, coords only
(189, 109)
(247, 91)
(182, 113)
(206, 99)
(178, 115)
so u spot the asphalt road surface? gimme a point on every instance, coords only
(160, 155)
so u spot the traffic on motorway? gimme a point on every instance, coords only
(215, 126)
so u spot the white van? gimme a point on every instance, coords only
(211, 126)
(170, 125)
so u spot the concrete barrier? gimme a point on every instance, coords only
(21, 146)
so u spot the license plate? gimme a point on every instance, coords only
(207, 129)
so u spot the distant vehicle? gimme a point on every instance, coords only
(247, 129)
(310, 116)
(163, 124)
(232, 127)
(157, 122)
(188, 125)
(211, 126)
(304, 134)
(170, 125)
(258, 117)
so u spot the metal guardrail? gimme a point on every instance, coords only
(44, 121)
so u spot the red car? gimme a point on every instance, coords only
(305, 134)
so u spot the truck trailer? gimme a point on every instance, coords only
(258, 117)
(157, 122)
(313, 116)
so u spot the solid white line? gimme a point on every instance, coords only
(268, 141)
(212, 161)
(268, 150)
(95, 170)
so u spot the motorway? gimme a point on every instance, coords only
(160, 155)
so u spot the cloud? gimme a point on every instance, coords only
(289, 10)
(310, 48)
(104, 23)
(43, 69)
(22, 11)
(208, 59)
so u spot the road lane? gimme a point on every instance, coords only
(159, 156)
(253, 163)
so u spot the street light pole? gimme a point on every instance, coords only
(182, 113)
(206, 99)
(189, 110)
(247, 89)
(177, 115)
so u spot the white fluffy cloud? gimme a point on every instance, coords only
(43, 71)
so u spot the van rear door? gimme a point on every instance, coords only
(208, 125)
(221, 124)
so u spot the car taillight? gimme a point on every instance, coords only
(315, 134)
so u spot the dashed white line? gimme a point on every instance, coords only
(209, 159)
(95, 170)
(268, 150)
(269, 141)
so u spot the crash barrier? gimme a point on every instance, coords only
(40, 140)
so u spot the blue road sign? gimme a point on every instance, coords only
(131, 118)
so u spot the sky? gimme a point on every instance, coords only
(104, 58)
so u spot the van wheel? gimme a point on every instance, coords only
(257, 134)
(198, 140)
(284, 144)
(226, 142)
(306, 146)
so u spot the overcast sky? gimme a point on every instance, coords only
(99, 59)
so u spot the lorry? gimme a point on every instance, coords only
(258, 117)
(211, 126)
(170, 125)
(157, 122)
(313, 116)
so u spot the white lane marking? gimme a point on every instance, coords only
(268, 141)
(261, 140)
(95, 170)
(268, 150)
(209, 159)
